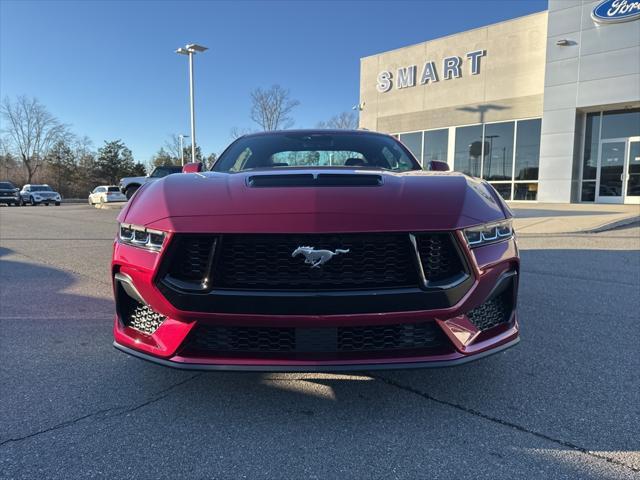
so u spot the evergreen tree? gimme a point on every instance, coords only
(115, 161)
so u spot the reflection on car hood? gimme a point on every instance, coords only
(221, 202)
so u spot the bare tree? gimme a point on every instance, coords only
(237, 132)
(33, 131)
(343, 121)
(271, 108)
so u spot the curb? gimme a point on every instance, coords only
(110, 206)
(613, 225)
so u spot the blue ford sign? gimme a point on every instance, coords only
(614, 11)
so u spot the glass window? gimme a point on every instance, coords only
(436, 145)
(591, 140)
(588, 192)
(498, 152)
(525, 191)
(413, 141)
(621, 123)
(468, 150)
(302, 149)
(528, 149)
(504, 189)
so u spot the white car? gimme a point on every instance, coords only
(37, 194)
(106, 194)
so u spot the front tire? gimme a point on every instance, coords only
(21, 202)
(130, 191)
(57, 204)
(32, 202)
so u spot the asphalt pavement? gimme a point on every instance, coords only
(564, 403)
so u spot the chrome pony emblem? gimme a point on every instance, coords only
(316, 258)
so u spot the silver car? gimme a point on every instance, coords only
(37, 194)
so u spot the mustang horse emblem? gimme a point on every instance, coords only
(314, 257)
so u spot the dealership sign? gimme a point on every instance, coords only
(451, 67)
(615, 11)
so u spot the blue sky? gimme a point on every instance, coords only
(109, 68)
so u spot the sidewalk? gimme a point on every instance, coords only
(540, 218)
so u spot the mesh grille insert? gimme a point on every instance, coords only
(493, 312)
(265, 262)
(439, 256)
(207, 339)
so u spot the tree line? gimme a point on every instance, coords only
(35, 147)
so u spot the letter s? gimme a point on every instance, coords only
(384, 81)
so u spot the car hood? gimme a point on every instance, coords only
(133, 179)
(222, 202)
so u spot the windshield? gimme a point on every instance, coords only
(6, 186)
(41, 188)
(315, 149)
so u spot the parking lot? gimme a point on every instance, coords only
(564, 403)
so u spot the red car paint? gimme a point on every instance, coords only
(222, 203)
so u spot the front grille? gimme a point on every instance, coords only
(439, 256)
(493, 312)
(265, 262)
(192, 256)
(212, 340)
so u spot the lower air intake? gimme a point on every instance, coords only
(493, 312)
(145, 320)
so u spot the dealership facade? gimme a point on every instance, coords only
(545, 107)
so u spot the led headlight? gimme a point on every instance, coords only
(141, 236)
(489, 233)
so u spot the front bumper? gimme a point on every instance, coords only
(492, 266)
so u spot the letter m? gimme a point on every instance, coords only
(406, 77)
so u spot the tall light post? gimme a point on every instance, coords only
(181, 136)
(190, 49)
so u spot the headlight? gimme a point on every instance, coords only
(488, 233)
(141, 236)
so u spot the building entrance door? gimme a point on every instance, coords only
(610, 179)
(632, 169)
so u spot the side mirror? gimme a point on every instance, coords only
(438, 166)
(192, 167)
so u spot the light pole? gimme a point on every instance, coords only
(181, 136)
(190, 49)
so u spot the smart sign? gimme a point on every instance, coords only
(451, 67)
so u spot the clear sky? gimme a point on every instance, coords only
(109, 68)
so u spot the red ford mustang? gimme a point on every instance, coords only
(315, 250)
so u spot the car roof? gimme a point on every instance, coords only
(315, 131)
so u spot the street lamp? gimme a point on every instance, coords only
(181, 136)
(190, 49)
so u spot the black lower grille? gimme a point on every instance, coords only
(493, 312)
(211, 340)
(358, 261)
(389, 337)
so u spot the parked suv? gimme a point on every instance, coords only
(37, 194)
(129, 185)
(9, 193)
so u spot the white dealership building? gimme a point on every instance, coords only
(546, 107)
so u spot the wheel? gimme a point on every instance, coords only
(32, 202)
(21, 202)
(46, 203)
(131, 190)
(57, 204)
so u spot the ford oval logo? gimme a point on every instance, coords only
(614, 11)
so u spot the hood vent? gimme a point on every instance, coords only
(311, 180)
